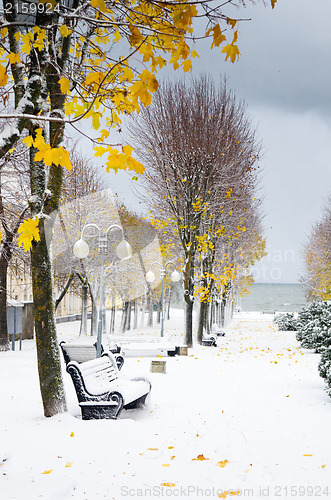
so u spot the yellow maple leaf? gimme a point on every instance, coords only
(127, 150)
(3, 76)
(96, 120)
(64, 84)
(231, 22)
(117, 36)
(99, 150)
(187, 65)
(28, 141)
(69, 464)
(27, 40)
(61, 157)
(168, 485)
(28, 231)
(218, 36)
(136, 37)
(94, 77)
(39, 42)
(72, 434)
(14, 58)
(231, 52)
(99, 4)
(65, 31)
(45, 154)
(48, 471)
(135, 165)
(104, 135)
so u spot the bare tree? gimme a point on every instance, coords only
(200, 152)
(14, 194)
(317, 255)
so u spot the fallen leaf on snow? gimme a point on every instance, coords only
(200, 457)
(48, 471)
(223, 463)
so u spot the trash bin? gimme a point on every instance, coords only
(14, 320)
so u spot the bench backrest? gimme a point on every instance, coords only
(99, 373)
(78, 352)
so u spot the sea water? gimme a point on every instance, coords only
(271, 297)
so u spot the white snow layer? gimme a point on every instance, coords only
(248, 418)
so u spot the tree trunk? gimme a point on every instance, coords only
(128, 315)
(169, 303)
(143, 308)
(83, 323)
(150, 307)
(135, 314)
(158, 315)
(94, 317)
(202, 320)
(222, 315)
(112, 317)
(188, 322)
(188, 297)
(4, 338)
(49, 365)
(103, 312)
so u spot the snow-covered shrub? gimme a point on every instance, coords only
(314, 326)
(324, 368)
(286, 322)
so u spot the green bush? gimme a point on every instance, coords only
(286, 322)
(314, 332)
(314, 326)
(324, 368)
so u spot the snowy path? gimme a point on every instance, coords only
(253, 411)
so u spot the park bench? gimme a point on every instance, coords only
(101, 390)
(146, 346)
(209, 340)
(80, 352)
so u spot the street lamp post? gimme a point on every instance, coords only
(123, 252)
(150, 277)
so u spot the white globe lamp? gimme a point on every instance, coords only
(150, 276)
(175, 276)
(124, 250)
(81, 249)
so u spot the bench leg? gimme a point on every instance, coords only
(138, 403)
(93, 410)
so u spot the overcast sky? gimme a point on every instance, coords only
(284, 75)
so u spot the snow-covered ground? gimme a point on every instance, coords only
(249, 418)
